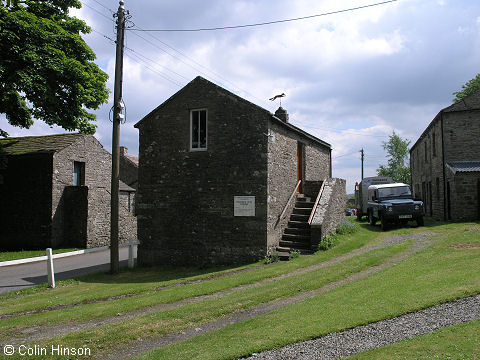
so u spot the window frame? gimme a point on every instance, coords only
(199, 110)
(79, 179)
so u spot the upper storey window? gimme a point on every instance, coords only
(198, 130)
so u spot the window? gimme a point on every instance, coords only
(78, 173)
(198, 130)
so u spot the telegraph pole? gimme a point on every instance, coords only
(361, 151)
(117, 117)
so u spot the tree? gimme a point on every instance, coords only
(397, 150)
(46, 68)
(468, 88)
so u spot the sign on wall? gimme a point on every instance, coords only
(244, 206)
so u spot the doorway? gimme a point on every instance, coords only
(300, 166)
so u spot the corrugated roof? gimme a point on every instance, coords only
(38, 144)
(464, 166)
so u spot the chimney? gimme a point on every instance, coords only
(282, 114)
(123, 151)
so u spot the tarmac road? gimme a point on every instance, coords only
(15, 277)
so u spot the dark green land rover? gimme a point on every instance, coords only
(393, 203)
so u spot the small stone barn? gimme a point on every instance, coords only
(445, 162)
(216, 174)
(55, 191)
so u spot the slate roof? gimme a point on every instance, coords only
(471, 102)
(38, 144)
(464, 166)
(124, 187)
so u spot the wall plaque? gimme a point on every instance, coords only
(244, 206)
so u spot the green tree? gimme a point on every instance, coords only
(46, 68)
(398, 167)
(469, 88)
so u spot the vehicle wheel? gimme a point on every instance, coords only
(371, 219)
(420, 221)
(384, 224)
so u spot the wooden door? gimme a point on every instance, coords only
(300, 166)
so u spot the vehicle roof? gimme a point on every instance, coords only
(383, 186)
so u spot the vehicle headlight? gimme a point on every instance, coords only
(417, 207)
(390, 209)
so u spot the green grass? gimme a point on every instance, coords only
(16, 255)
(460, 341)
(441, 272)
(434, 275)
(196, 314)
(144, 281)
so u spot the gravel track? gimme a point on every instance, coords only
(378, 334)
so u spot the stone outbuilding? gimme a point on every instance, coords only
(218, 180)
(55, 191)
(445, 162)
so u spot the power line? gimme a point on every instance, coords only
(153, 70)
(267, 22)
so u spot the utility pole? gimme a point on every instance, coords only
(361, 151)
(117, 117)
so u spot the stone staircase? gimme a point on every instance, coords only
(296, 236)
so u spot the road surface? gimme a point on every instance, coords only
(15, 277)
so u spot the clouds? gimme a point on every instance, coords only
(350, 78)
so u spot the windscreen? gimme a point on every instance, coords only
(394, 191)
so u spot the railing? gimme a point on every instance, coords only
(288, 202)
(316, 202)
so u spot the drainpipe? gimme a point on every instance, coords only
(443, 169)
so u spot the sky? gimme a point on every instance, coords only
(350, 78)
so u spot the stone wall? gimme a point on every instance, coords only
(330, 210)
(26, 202)
(97, 179)
(185, 199)
(282, 175)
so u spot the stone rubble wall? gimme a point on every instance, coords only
(330, 211)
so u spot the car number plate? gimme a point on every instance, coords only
(404, 216)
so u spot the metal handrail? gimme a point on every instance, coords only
(288, 202)
(316, 202)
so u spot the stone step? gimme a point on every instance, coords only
(304, 204)
(297, 231)
(286, 250)
(299, 217)
(303, 198)
(298, 224)
(302, 211)
(294, 237)
(294, 244)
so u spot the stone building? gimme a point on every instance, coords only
(128, 168)
(55, 191)
(216, 173)
(445, 162)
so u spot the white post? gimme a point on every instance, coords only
(130, 254)
(50, 271)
